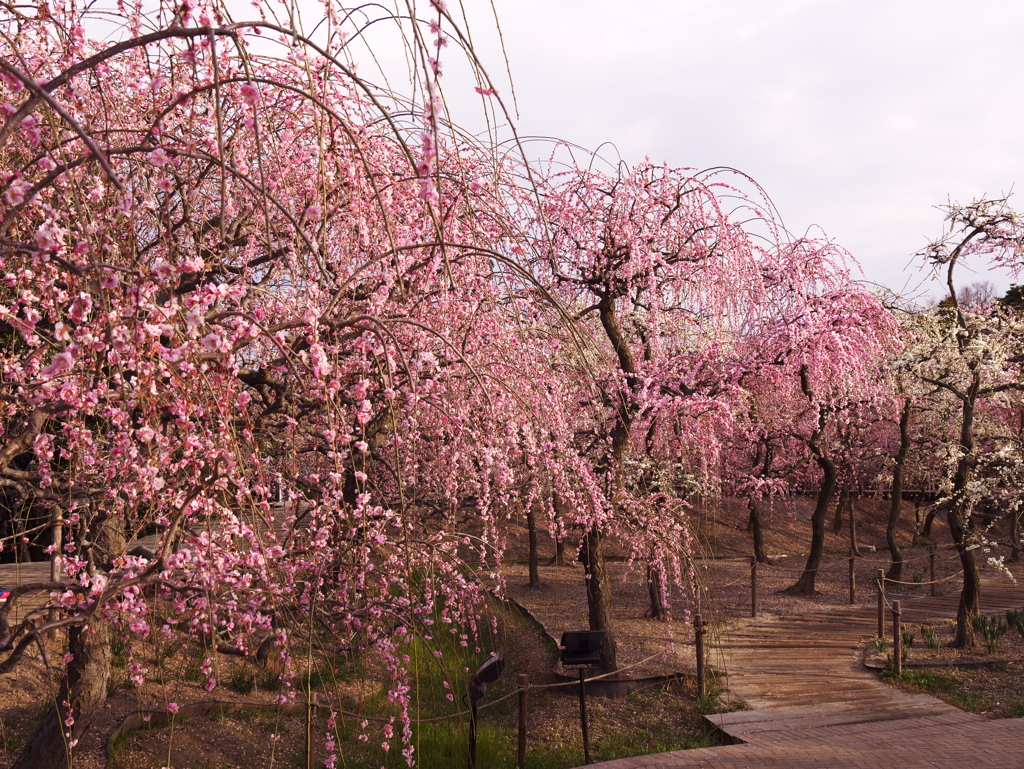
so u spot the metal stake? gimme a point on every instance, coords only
(524, 685)
(583, 719)
(698, 633)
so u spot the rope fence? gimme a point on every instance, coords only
(932, 555)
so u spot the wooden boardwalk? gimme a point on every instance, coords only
(814, 704)
(14, 574)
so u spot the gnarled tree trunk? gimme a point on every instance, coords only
(84, 687)
(754, 527)
(961, 524)
(805, 585)
(531, 524)
(925, 534)
(837, 521)
(656, 593)
(970, 593)
(599, 596)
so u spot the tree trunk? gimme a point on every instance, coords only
(559, 559)
(1015, 535)
(837, 522)
(84, 687)
(108, 542)
(926, 530)
(754, 527)
(656, 592)
(599, 596)
(969, 595)
(895, 557)
(961, 524)
(531, 523)
(847, 503)
(557, 507)
(805, 585)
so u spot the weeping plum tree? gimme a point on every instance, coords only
(832, 353)
(231, 267)
(763, 455)
(674, 295)
(624, 251)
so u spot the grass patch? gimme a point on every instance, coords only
(661, 719)
(439, 662)
(440, 746)
(660, 737)
(943, 685)
(118, 653)
(1014, 710)
(242, 681)
(712, 701)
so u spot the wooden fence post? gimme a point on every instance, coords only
(753, 586)
(897, 640)
(853, 577)
(524, 685)
(931, 566)
(881, 603)
(698, 634)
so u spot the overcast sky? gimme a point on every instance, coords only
(859, 117)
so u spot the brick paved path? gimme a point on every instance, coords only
(815, 706)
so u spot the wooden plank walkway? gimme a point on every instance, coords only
(815, 705)
(14, 574)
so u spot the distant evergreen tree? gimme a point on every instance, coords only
(1014, 298)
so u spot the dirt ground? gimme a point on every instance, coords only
(722, 593)
(259, 735)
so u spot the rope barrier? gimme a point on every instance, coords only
(787, 571)
(885, 599)
(841, 563)
(740, 581)
(147, 713)
(823, 568)
(929, 582)
(922, 557)
(513, 693)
